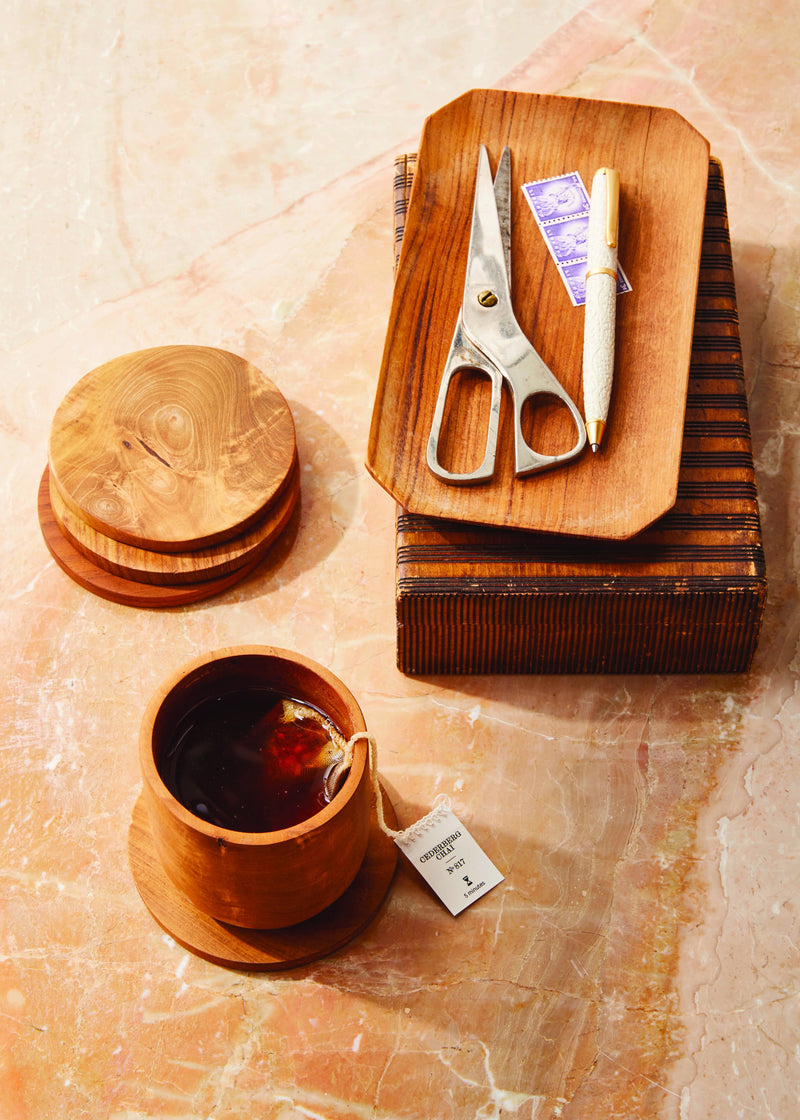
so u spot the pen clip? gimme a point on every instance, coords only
(612, 205)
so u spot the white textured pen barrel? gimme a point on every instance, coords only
(601, 303)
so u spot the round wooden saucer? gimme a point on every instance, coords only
(263, 950)
(174, 568)
(130, 592)
(173, 448)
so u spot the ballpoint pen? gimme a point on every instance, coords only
(601, 302)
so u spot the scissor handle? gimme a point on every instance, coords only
(464, 356)
(528, 377)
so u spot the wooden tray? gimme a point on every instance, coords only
(663, 164)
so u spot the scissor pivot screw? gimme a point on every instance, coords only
(487, 298)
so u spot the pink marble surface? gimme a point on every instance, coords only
(220, 174)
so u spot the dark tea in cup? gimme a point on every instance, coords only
(251, 760)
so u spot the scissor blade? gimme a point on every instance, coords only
(502, 198)
(486, 264)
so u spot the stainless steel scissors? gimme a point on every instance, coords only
(488, 338)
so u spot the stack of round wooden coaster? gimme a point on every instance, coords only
(170, 473)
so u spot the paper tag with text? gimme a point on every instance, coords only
(450, 860)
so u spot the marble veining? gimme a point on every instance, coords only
(221, 175)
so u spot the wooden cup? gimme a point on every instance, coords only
(257, 880)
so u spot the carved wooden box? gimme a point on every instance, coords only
(686, 595)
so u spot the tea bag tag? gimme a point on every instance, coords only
(448, 858)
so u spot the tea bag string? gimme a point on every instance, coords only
(441, 804)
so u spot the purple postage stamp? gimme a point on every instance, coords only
(574, 276)
(563, 196)
(567, 239)
(561, 208)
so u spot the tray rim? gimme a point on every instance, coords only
(386, 474)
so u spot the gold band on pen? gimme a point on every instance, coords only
(602, 271)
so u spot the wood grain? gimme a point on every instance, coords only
(663, 163)
(687, 595)
(263, 950)
(172, 448)
(116, 588)
(259, 880)
(174, 568)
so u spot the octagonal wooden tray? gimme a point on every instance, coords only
(663, 163)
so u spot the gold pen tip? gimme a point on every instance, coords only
(594, 432)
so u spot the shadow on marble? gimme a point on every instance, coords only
(546, 966)
(313, 530)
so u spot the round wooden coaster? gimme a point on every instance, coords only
(175, 568)
(172, 448)
(128, 592)
(263, 950)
